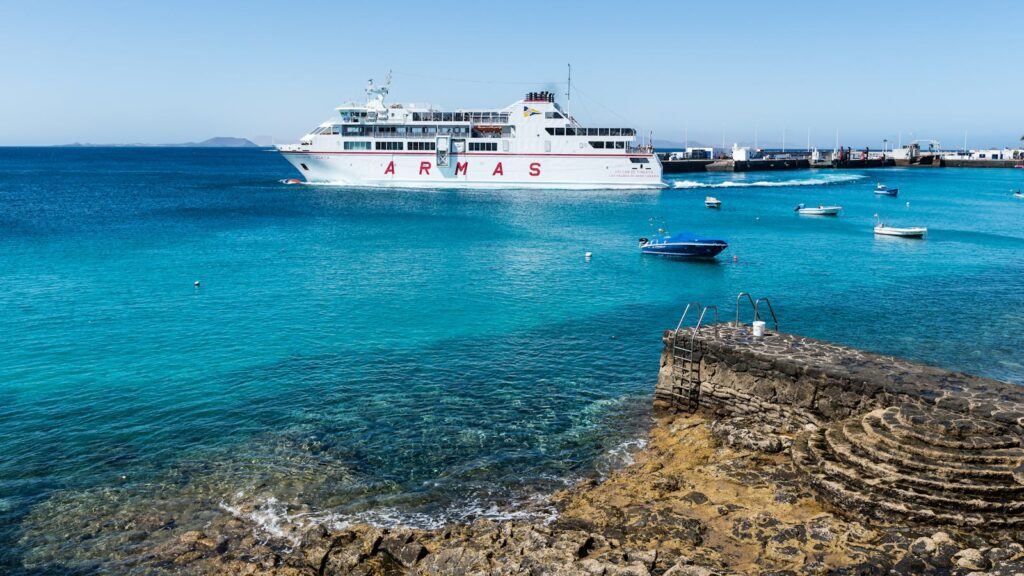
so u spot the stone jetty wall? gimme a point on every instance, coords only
(811, 381)
(892, 439)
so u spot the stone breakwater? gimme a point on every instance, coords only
(803, 457)
(894, 439)
(789, 378)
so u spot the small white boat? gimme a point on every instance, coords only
(820, 210)
(712, 202)
(912, 232)
(883, 190)
(1018, 194)
(884, 230)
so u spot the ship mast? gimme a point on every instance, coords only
(568, 94)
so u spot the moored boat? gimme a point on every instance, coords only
(682, 245)
(883, 190)
(820, 210)
(912, 232)
(1018, 194)
(712, 202)
(909, 232)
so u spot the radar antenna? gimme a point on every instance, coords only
(377, 93)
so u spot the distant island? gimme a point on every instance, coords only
(217, 142)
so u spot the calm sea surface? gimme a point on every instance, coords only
(414, 356)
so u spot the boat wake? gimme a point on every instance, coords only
(828, 179)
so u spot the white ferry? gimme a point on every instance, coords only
(533, 143)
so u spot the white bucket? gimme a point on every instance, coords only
(758, 328)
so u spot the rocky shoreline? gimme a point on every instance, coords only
(771, 455)
(704, 497)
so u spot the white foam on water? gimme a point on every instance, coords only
(270, 519)
(529, 509)
(824, 180)
(622, 455)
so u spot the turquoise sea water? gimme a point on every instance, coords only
(413, 356)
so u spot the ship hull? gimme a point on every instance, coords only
(468, 170)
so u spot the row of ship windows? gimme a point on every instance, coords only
(388, 130)
(371, 130)
(497, 117)
(621, 144)
(428, 146)
(473, 146)
(591, 131)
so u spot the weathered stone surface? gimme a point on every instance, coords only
(748, 434)
(971, 559)
(690, 570)
(892, 439)
(920, 463)
(813, 380)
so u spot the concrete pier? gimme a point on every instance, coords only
(759, 165)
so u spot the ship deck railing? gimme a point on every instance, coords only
(429, 135)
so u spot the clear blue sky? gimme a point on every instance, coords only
(115, 72)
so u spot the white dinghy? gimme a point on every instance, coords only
(911, 232)
(820, 210)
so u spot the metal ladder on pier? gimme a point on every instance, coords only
(686, 370)
(755, 305)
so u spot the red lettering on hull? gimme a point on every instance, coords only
(391, 168)
(424, 168)
(498, 170)
(461, 167)
(535, 169)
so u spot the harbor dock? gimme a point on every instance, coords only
(746, 159)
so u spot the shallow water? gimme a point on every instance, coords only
(414, 355)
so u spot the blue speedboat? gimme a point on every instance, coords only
(883, 190)
(682, 245)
